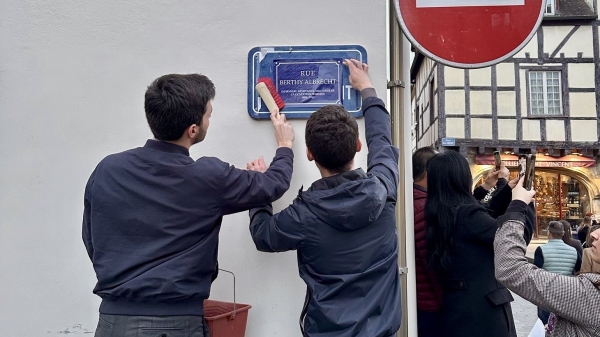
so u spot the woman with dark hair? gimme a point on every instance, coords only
(568, 238)
(460, 236)
(584, 229)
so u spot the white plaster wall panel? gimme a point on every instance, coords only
(584, 131)
(581, 41)
(507, 101)
(581, 75)
(582, 104)
(555, 131)
(454, 77)
(455, 102)
(481, 128)
(530, 47)
(578, 42)
(507, 129)
(531, 129)
(72, 79)
(480, 77)
(553, 36)
(455, 127)
(505, 75)
(481, 102)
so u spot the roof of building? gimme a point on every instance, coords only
(572, 10)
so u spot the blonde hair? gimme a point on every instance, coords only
(587, 221)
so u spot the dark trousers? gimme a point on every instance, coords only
(429, 323)
(151, 326)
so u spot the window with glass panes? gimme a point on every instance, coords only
(545, 93)
(550, 8)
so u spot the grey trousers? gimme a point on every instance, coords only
(151, 326)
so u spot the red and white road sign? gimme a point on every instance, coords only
(470, 33)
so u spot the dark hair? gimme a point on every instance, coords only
(556, 228)
(568, 236)
(419, 161)
(331, 135)
(449, 184)
(174, 102)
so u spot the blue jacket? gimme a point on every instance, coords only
(344, 230)
(152, 219)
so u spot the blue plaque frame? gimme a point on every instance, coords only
(264, 62)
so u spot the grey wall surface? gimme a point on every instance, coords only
(72, 79)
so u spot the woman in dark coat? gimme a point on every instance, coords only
(460, 237)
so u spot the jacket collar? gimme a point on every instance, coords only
(166, 147)
(338, 179)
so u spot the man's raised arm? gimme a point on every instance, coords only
(382, 159)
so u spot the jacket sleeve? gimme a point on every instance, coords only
(538, 258)
(479, 193)
(382, 159)
(277, 233)
(87, 221)
(562, 295)
(243, 190)
(501, 198)
(577, 264)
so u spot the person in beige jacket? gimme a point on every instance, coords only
(565, 296)
(588, 265)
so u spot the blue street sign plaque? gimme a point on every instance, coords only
(306, 78)
(312, 82)
(448, 141)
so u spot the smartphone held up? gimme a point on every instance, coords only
(527, 169)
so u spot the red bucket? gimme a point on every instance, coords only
(226, 319)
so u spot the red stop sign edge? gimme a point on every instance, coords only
(467, 65)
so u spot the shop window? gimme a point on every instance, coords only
(545, 93)
(558, 197)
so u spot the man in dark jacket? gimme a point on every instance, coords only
(344, 226)
(152, 214)
(429, 289)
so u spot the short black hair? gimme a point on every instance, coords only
(174, 102)
(419, 161)
(331, 136)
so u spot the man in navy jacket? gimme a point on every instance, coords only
(153, 214)
(344, 227)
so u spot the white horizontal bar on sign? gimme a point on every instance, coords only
(468, 3)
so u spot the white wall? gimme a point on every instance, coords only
(72, 78)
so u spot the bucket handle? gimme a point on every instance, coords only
(234, 310)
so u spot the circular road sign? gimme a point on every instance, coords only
(469, 33)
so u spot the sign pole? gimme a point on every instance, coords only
(400, 110)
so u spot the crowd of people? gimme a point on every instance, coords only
(469, 253)
(152, 217)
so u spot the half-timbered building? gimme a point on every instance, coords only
(544, 100)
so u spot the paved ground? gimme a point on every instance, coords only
(525, 315)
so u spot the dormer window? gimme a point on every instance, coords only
(550, 7)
